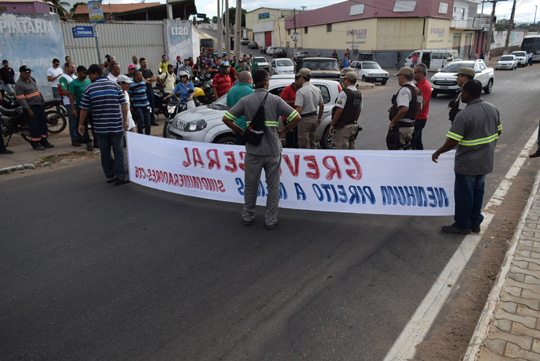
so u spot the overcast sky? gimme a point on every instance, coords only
(524, 12)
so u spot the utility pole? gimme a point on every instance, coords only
(510, 27)
(488, 45)
(219, 29)
(238, 28)
(294, 19)
(227, 30)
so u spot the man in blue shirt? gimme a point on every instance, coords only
(139, 102)
(183, 90)
(237, 92)
(109, 109)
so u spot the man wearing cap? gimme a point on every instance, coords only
(30, 98)
(178, 64)
(265, 155)
(404, 118)
(140, 103)
(349, 106)
(420, 72)
(124, 82)
(308, 98)
(475, 132)
(76, 90)
(109, 110)
(131, 71)
(463, 75)
(65, 80)
(222, 82)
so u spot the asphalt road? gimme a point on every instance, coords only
(92, 271)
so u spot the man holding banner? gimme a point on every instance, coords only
(475, 132)
(267, 154)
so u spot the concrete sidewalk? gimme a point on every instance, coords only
(509, 328)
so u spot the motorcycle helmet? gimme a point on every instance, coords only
(198, 92)
(182, 73)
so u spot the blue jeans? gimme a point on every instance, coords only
(37, 125)
(468, 195)
(73, 123)
(151, 100)
(416, 141)
(143, 119)
(56, 96)
(112, 167)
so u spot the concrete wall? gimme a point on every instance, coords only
(26, 7)
(252, 17)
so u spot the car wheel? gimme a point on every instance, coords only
(226, 139)
(166, 129)
(328, 141)
(434, 93)
(489, 87)
(383, 82)
(364, 78)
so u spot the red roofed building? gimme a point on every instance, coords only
(181, 9)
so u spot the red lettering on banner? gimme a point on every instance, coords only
(213, 161)
(187, 162)
(197, 157)
(232, 161)
(312, 164)
(332, 169)
(242, 157)
(294, 170)
(221, 189)
(355, 173)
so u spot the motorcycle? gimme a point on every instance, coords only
(203, 90)
(174, 107)
(56, 121)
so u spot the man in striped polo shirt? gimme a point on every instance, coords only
(139, 102)
(475, 132)
(109, 109)
(267, 154)
(222, 83)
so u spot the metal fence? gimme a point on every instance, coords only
(120, 39)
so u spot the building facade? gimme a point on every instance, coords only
(262, 25)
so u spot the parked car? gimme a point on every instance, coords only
(281, 66)
(445, 81)
(263, 63)
(507, 62)
(253, 45)
(270, 50)
(521, 57)
(325, 68)
(244, 41)
(299, 55)
(280, 53)
(434, 59)
(204, 123)
(370, 71)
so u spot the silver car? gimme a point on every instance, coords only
(204, 123)
(262, 63)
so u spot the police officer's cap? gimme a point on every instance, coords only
(466, 71)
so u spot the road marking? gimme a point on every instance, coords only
(404, 348)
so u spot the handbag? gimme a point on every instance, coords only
(255, 131)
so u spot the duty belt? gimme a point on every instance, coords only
(405, 124)
(308, 114)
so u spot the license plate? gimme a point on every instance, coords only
(444, 87)
(378, 79)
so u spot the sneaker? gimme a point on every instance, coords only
(535, 154)
(453, 229)
(120, 181)
(475, 229)
(96, 144)
(39, 147)
(249, 223)
(76, 143)
(110, 180)
(154, 123)
(270, 226)
(6, 151)
(89, 147)
(46, 144)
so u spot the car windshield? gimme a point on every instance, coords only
(329, 64)
(261, 60)
(284, 62)
(220, 104)
(454, 67)
(370, 66)
(519, 53)
(506, 58)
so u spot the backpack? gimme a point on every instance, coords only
(255, 131)
(414, 106)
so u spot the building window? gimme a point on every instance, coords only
(289, 32)
(328, 28)
(443, 8)
(305, 30)
(404, 6)
(459, 14)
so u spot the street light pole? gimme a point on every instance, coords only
(510, 27)
(488, 45)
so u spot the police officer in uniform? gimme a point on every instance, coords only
(348, 108)
(464, 75)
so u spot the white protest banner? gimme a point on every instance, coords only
(374, 182)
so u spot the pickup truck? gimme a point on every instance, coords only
(445, 81)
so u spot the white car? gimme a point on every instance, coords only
(262, 63)
(281, 66)
(507, 62)
(205, 124)
(370, 71)
(445, 81)
(270, 50)
(521, 57)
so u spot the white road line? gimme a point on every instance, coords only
(416, 329)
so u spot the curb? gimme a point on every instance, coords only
(482, 327)
(16, 168)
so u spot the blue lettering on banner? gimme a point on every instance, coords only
(338, 194)
(262, 190)
(300, 194)
(414, 196)
(240, 183)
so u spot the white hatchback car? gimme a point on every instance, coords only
(281, 66)
(521, 57)
(370, 71)
(507, 62)
(204, 123)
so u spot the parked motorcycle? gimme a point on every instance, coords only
(203, 90)
(174, 107)
(13, 121)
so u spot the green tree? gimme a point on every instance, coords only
(232, 16)
(61, 5)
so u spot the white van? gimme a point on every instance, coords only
(433, 58)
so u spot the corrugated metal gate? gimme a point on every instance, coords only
(119, 39)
